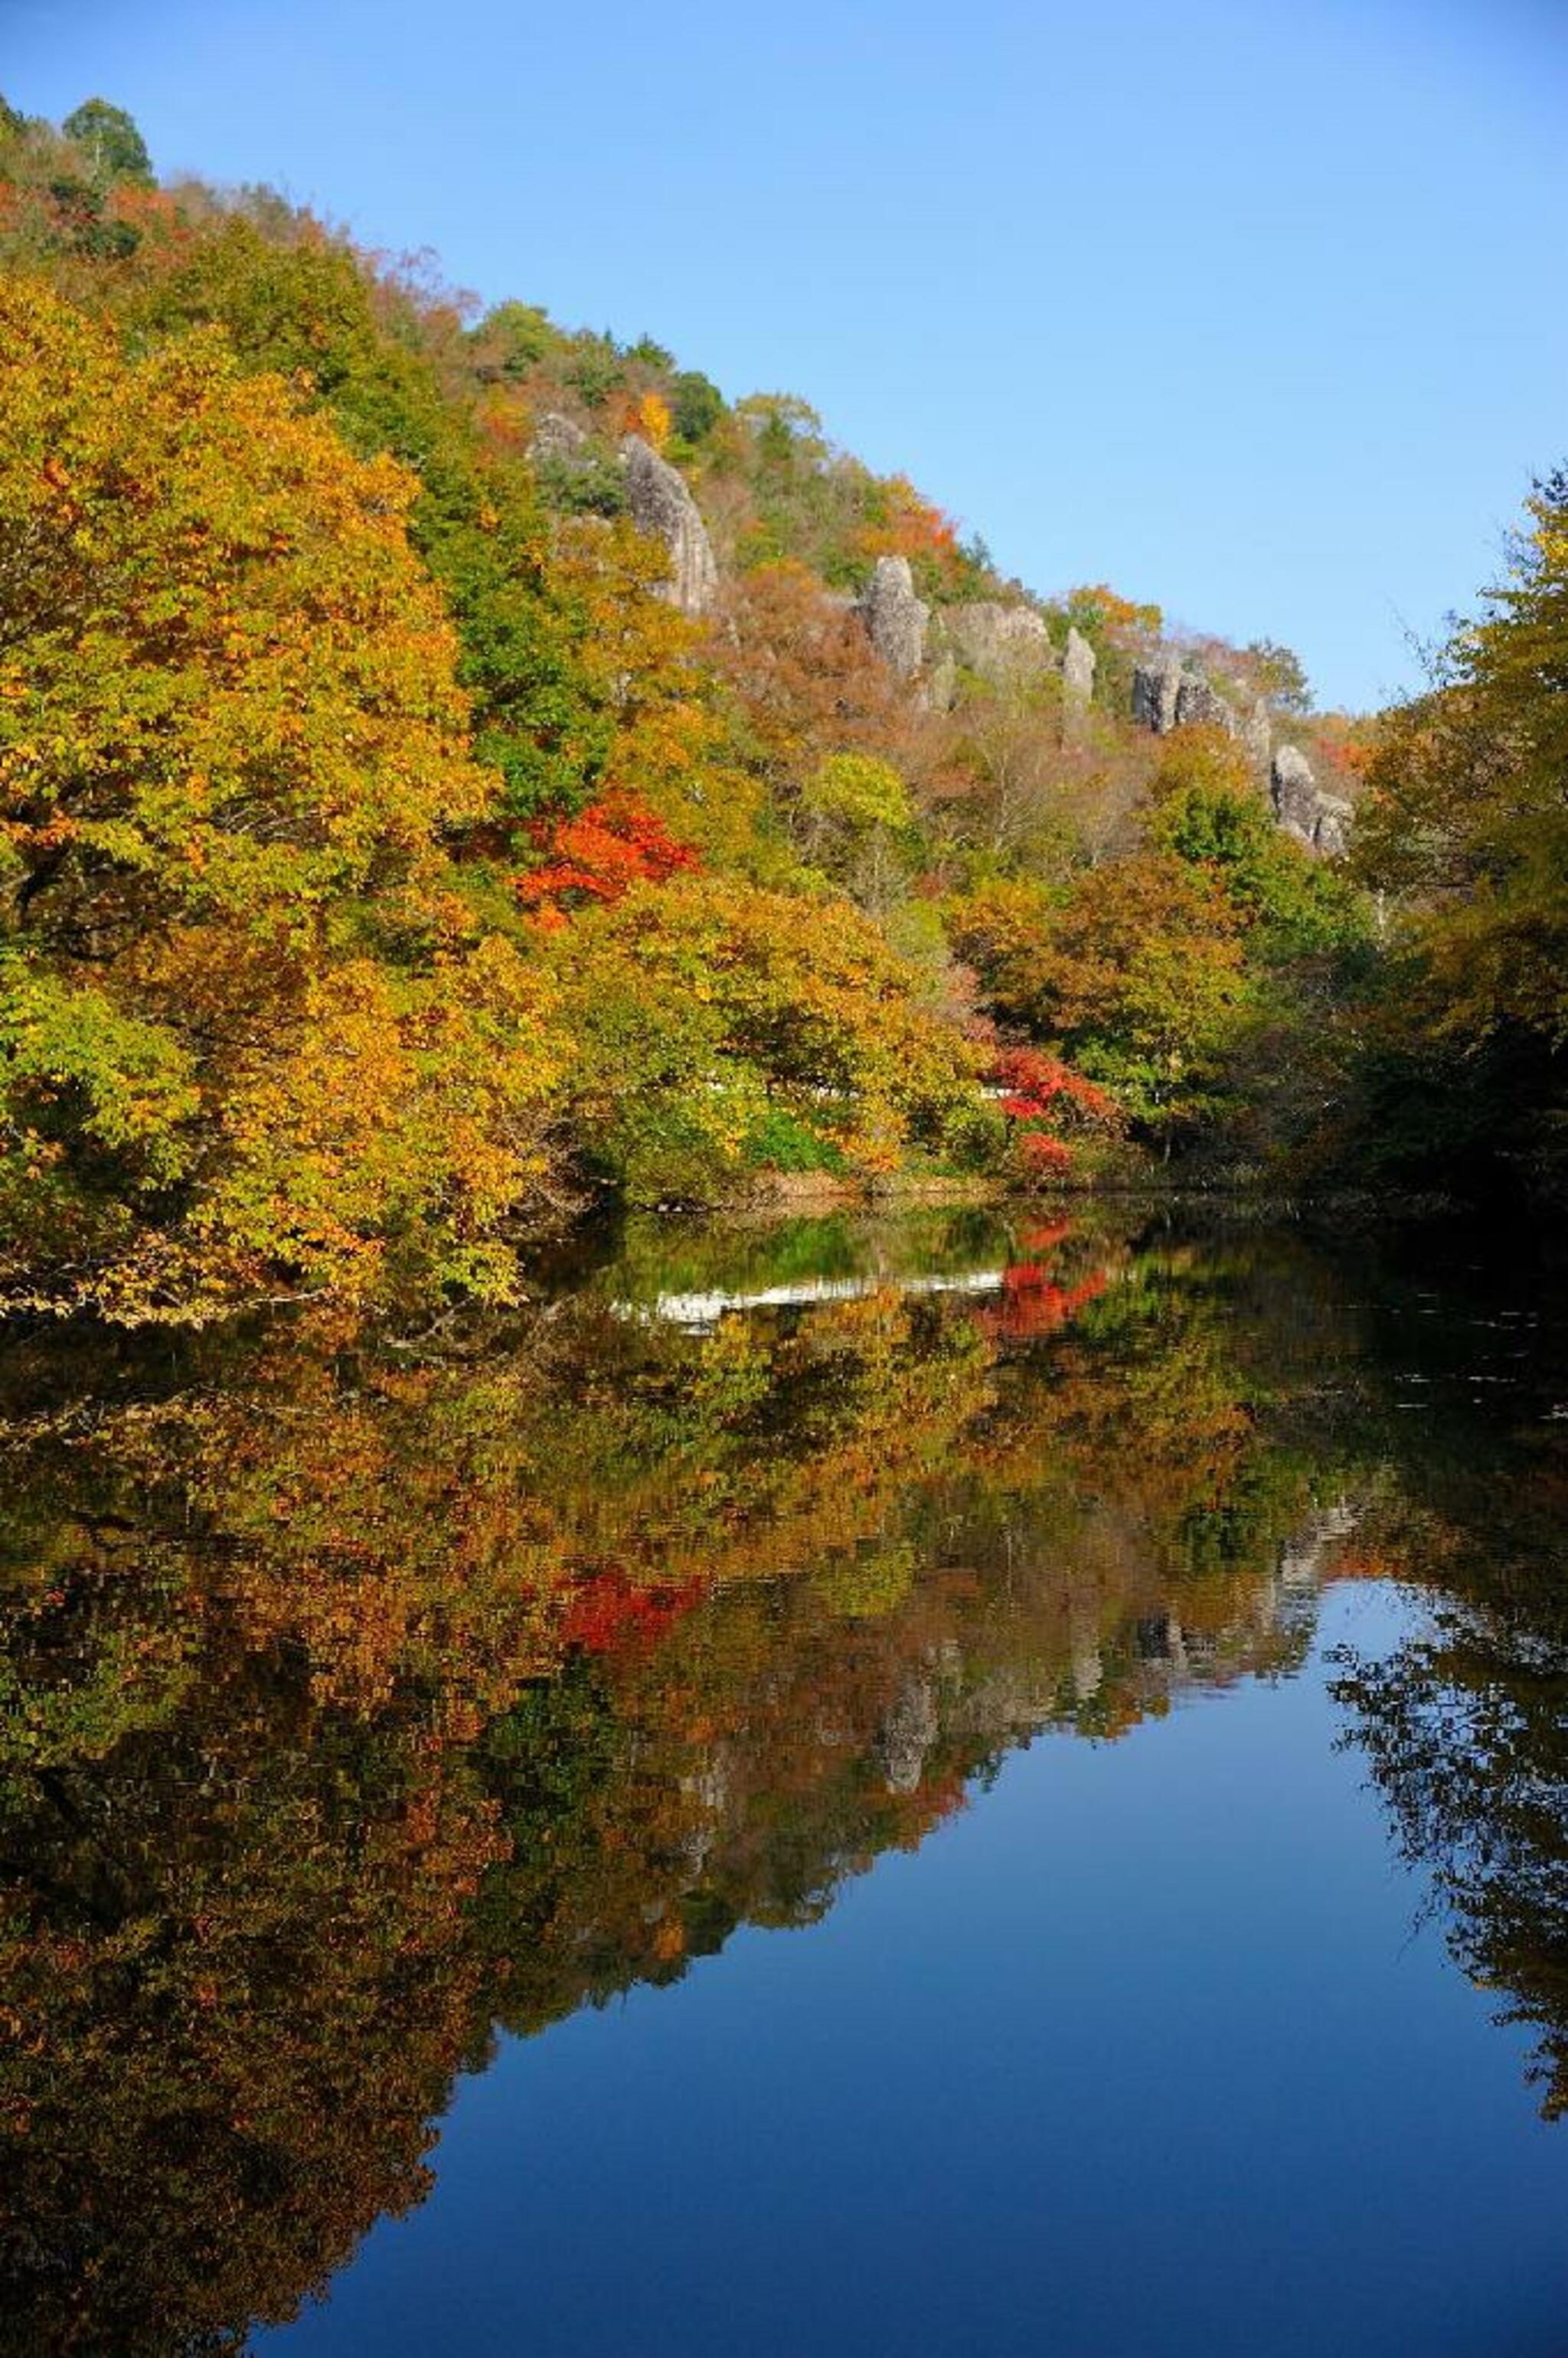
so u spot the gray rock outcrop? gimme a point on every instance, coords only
(1294, 789)
(1155, 690)
(1200, 706)
(1077, 668)
(557, 437)
(1001, 643)
(1321, 821)
(662, 507)
(1166, 696)
(895, 619)
(939, 688)
(1257, 735)
(907, 1734)
(1334, 820)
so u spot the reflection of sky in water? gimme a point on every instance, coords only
(1142, 2053)
(519, 1668)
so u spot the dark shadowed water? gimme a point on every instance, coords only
(944, 1787)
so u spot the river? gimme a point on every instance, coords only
(940, 1785)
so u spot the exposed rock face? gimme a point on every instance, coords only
(1089, 1665)
(1319, 820)
(1257, 735)
(894, 617)
(1077, 668)
(1199, 706)
(907, 1735)
(1304, 1557)
(1334, 823)
(662, 506)
(999, 641)
(939, 689)
(1166, 696)
(556, 437)
(1294, 791)
(1155, 690)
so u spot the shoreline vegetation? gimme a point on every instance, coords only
(458, 772)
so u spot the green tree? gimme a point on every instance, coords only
(1208, 811)
(696, 405)
(115, 147)
(855, 823)
(1465, 827)
(512, 338)
(1281, 676)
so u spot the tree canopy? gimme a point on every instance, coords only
(248, 1024)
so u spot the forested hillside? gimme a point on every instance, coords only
(454, 768)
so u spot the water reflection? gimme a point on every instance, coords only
(366, 1697)
(1465, 1726)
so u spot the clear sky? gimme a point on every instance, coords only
(1255, 309)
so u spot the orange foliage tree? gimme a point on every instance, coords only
(666, 748)
(807, 685)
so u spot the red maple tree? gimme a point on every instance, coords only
(598, 854)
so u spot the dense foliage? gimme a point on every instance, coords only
(387, 863)
(1466, 827)
(247, 1025)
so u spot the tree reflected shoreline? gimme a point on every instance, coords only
(363, 1700)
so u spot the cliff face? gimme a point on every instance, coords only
(730, 495)
(1318, 819)
(1167, 695)
(997, 644)
(662, 507)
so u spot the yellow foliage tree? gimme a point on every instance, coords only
(651, 419)
(249, 1035)
(719, 1028)
(667, 746)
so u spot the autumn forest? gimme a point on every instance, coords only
(713, 1225)
(407, 852)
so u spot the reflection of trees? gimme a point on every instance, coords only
(1467, 1733)
(237, 1990)
(357, 1700)
(1465, 1725)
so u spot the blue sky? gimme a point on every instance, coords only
(1257, 311)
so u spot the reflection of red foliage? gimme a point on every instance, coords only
(600, 855)
(940, 1794)
(1033, 1304)
(1044, 1235)
(610, 1614)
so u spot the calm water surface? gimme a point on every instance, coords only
(923, 1788)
